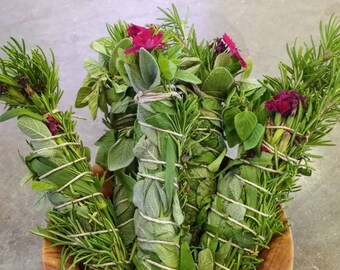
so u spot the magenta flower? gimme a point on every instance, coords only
(233, 50)
(52, 125)
(144, 38)
(286, 102)
(134, 30)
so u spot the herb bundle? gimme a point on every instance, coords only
(81, 220)
(173, 107)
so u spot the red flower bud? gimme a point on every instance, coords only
(286, 102)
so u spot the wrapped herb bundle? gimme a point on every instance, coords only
(173, 107)
(81, 220)
(281, 126)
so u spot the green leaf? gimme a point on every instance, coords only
(205, 260)
(254, 138)
(33, 128)
(17, 112)
(245, 123)
(160, 120)
(149, 69)
(215, 165)
(100, 45)
(94, 68)
(107, 139)
(186, 261)
(43, 185)
(236, 211)
(218, 83)
(123, 44)
(222, 60)
(186, 76)
(163, 106)
(82, 94)
(93, 103)
(246, 73)
(167, 67)
(235, 188)
(120, 106)
(28, 176)
(205, 189)
(170, 169)
(136, 79)
(173, 51)
(127, 181)
(120, 154)
(229, 116)
(8, 80)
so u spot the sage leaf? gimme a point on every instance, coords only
(245, 123)
(236, 211)
(33, 128)
(149, 69)
(122, 44)
(205, 260)
(136, 79)
(120, 154)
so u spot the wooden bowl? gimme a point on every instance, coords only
(279, 256)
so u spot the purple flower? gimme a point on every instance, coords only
(286, 102)
(144, 38)
(52, 124)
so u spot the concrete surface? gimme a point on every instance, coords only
(260, 27)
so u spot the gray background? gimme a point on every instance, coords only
(260, 28)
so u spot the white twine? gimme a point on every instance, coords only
(260, 167)
(56, 146)
(210, 129)
(79, 117)
(143, 96)
(161, 129)
(162, 242)
(193, 207)
(91, 233)
(252, 184)
(124, 223)
(73, 180)
(109, 264)
(221, 266)
(237, 223)
(61, 167)
(121, 201)
(159, 265)
(229, 242)
(285, 128)
(51, 137)
(210, 118)
(245, 206)
(153, 177)
(158, 221)
(78, 200)
(280, 154)
(160, 162)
